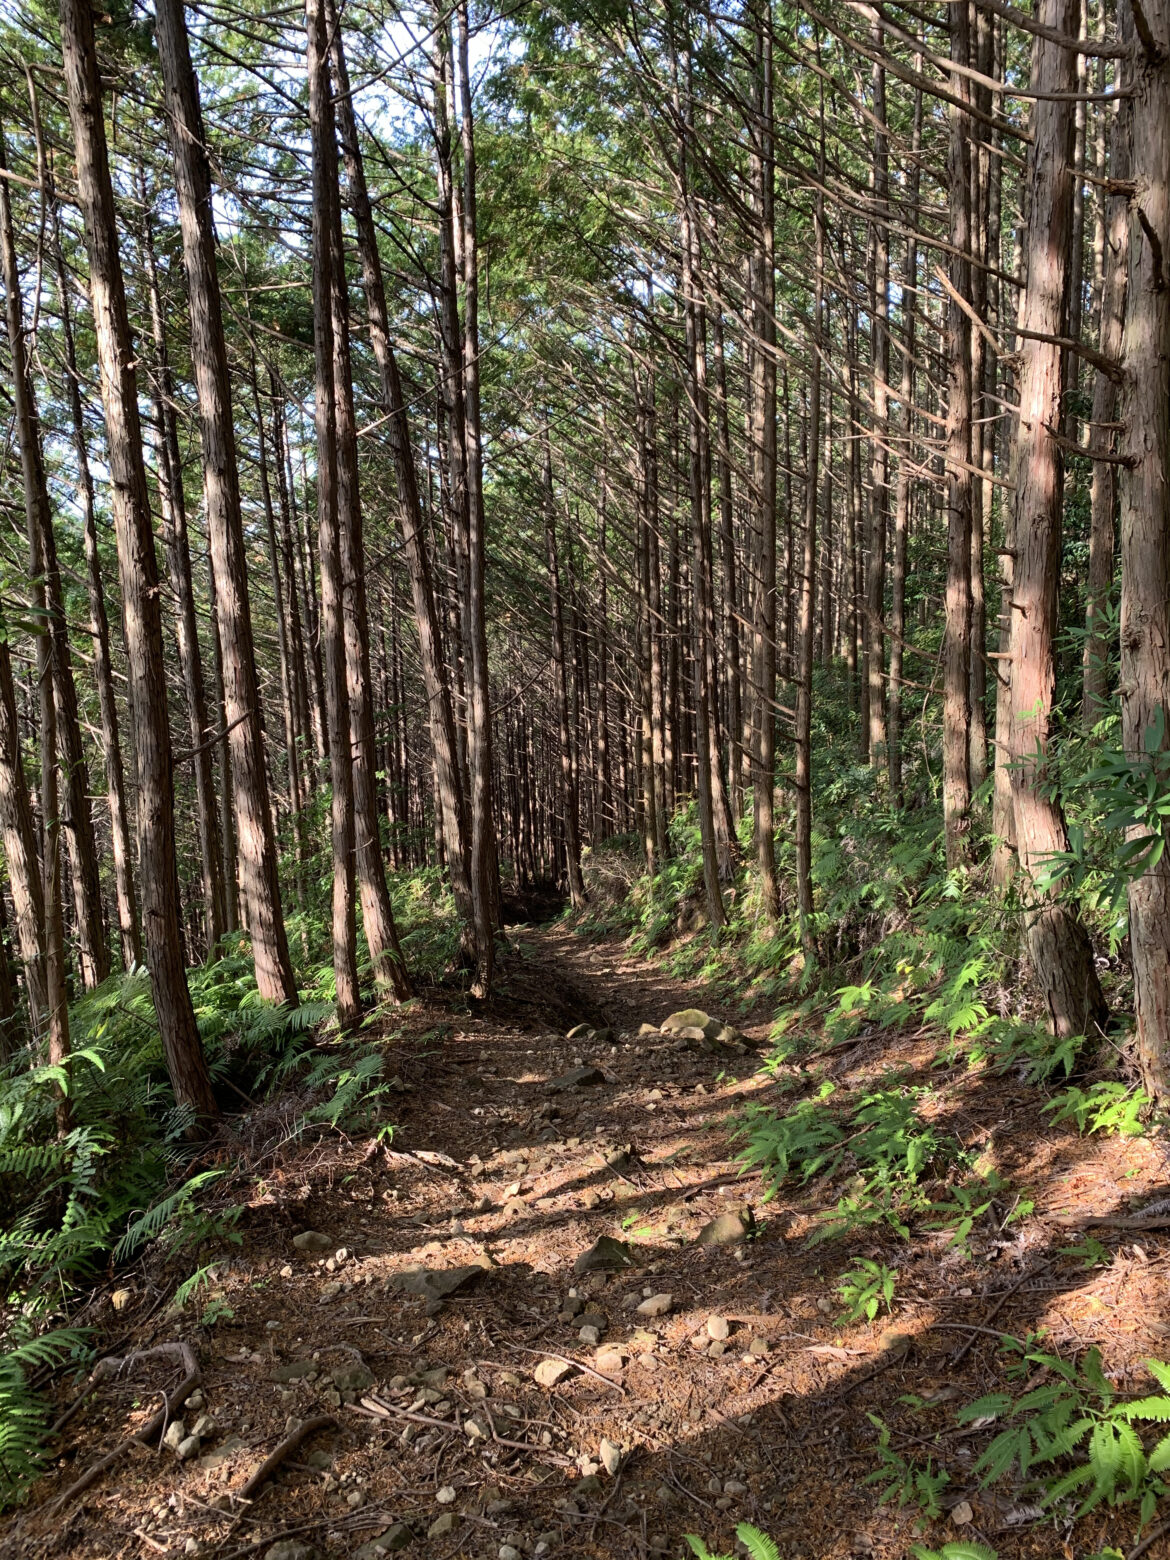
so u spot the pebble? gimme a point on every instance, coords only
(312, 1240)
(718, 1328)
(611, 1456)
(590, 1336)
(656, 1305)
(509, 1552)
(442, 1525)
(176, 1434)
(549, 1372)
(446, 1495)
(608, 1362)
(290, 1549)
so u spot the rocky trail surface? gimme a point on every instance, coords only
(548, 1316)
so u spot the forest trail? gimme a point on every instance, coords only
(743, 1398)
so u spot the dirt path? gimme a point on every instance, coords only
(737, 1398)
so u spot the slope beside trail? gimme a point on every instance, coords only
(701, 1385)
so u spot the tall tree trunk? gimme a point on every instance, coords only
(485, 877)
(805, 625)
(128, 926)
(50, 673)
(957, 645)
(377, 912)
(173, 504)
(256, 840)
(1057, 944)
(1145, 518)
(880, 354)
(440, 712)
(1103, 490)
(904, 488)
(762, 273)
(138, 569)
(568, 789)
(60, 723)
(325, 217)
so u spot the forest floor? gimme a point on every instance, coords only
(440, 1439)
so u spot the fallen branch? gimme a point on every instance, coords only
(284, 1449)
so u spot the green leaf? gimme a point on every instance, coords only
(759, 1545)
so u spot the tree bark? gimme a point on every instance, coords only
(176, 541)
(377, 913)
(325, 217)
(1145, 519)
(255, 837)
(440, 712)
(1057, 942)
(127, 897)
(138, 569)
(957, 643)
(1103, 486)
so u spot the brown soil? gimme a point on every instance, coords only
(774, 1429)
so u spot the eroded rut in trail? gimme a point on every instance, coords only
(543, 1320)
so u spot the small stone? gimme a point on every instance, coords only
(589, 1336)
(122, 1299)
(312, 1240)
(549, 1372)
(509, 1552)
(611, 1456)
(718, 1328)
(758, 1347)
(396, 1537)
(204, 1427)
(717, 1350)
(656, 1305)
(690, 1018)
(725, 1230)
(195, 1401)
(606, 1255)
(354, 1499)
(579, 1032)
(290, 1549)
(589, 1485)
(608, 1362)
(187, 1448)
(176, 1434)
(286, 1271)
(328, 1292)
(579, 1078)
(442, 1525)
(475, 1429)
(734, 1487)
(446, 1495)
(437, 1283)
(962, 1513)
(352, 1378)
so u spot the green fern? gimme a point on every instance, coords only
(1077, 1417)
(758, 1545)
(23, 1415)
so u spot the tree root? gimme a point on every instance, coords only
(114, 1365)
(283, 1450)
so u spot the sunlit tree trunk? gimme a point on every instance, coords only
(255, 836)
(138, 568)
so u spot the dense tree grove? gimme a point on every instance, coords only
(457, 439)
